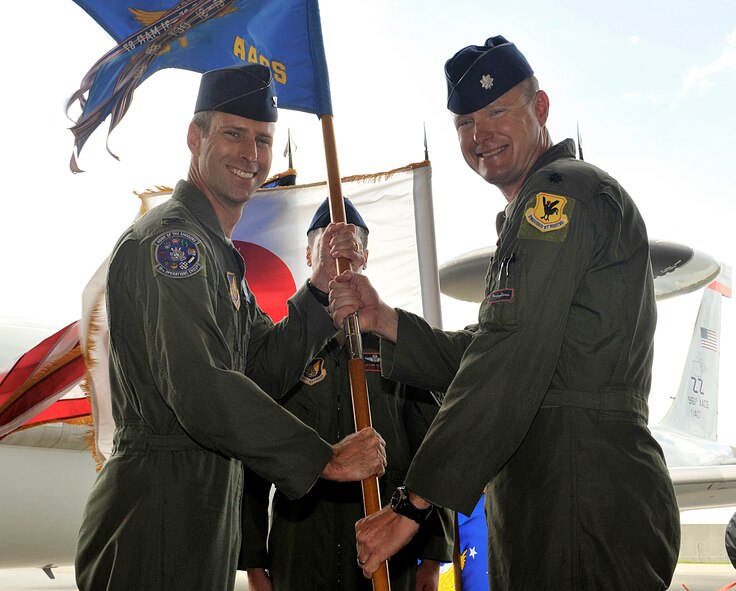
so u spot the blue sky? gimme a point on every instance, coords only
(650, 84)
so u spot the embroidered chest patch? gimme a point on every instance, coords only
(315, 372)
(501, 295)
(547, 217)
(177, 254)
(372, 361)
(232, 281)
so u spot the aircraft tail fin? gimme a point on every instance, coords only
(694, 411)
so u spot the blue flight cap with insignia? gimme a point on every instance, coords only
(478, 74)
(322, 216)
(246, 91)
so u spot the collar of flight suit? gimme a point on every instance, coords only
(565, 149)
(196, 202)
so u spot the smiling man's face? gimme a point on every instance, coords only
(232, 160)
(502, 140)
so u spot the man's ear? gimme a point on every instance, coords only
(309, 256)
(365, 259)
(194, 135)
(541, 107)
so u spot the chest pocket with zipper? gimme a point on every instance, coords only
(501, 307)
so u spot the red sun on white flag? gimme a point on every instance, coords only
(269, 278)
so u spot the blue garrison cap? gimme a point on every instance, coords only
(246, 91)
(478, 74)
(322, 216)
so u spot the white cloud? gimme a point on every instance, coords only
(701, 78)
(634, 40)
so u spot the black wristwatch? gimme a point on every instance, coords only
(401, 504)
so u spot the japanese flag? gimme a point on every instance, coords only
(271, 236)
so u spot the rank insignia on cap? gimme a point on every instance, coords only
(486, 82)
(546, 214)
(315, 372)
(372, 361)
(177, 254)
(232, 281)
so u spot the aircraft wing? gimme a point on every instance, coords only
(677, 269)
(705, 487)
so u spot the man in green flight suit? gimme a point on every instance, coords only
(550, 391)
(191, 359)
(311, 543)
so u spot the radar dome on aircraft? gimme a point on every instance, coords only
(678, 269)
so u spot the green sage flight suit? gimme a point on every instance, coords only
(191, 355)
(546, 404)
(311, 544)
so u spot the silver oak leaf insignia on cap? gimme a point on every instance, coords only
(486, 82)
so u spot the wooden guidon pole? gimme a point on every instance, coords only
(356, 365)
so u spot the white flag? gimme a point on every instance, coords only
(272, 236)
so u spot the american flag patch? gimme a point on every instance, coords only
(709, 339)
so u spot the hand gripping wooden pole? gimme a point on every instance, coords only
(356, 365)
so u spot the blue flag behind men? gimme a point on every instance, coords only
(202, 35)
(473, 551)
(474, 547)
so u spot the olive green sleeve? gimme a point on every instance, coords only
(428, 367)
(278, 354)
(190, 359)
(507, 367)
(434, 541)
(254, 521)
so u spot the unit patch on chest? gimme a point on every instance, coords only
(547, 217)
(232, 282)
(372, 361)
(315, 372)
(177, 254)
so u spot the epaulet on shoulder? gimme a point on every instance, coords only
(588, 177)
(154, 220)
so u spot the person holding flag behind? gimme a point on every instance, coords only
(550, 391)
(311, 542)
(191, 359)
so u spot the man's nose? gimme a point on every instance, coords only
(483, 130)
(249, 150)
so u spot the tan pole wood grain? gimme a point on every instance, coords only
(356, 365)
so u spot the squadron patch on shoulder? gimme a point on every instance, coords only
(315, 372)
(548, 217)
(177, 254)
(372, 361)
(232, 281)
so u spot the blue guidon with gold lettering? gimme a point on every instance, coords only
(177, 254)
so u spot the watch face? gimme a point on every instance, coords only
(397, 496)
(401, 504)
